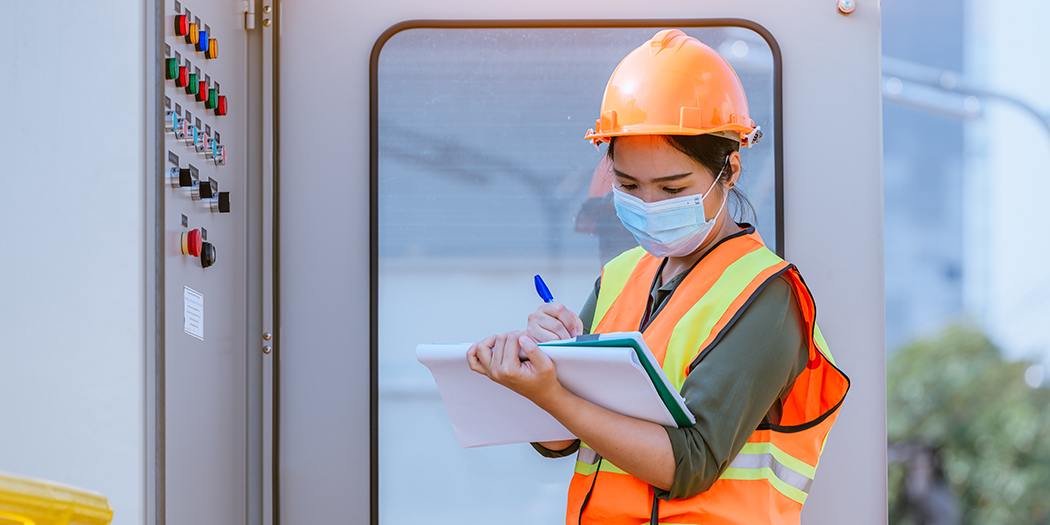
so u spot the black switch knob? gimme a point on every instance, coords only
(207, 254)
(205, 190)
(180, 177)
(221, 203)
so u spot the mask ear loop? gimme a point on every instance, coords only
(719, 176)
(720, 172)
(725, 199)
(726, 165)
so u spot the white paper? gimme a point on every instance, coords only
(193, 313)
(485, 413)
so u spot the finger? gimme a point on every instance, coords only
(483, 351)
(554, 326)
(472, 359)
(538, 333)
(540, 361)
(498, 350)
(474, 364)
(511, 362)
(488, 341)
(572, 323)
(509, 359)
(536, 330)
(562, 315)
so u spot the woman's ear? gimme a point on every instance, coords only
(734, 168)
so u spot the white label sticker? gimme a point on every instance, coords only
(193, 313)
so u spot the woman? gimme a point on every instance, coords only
(732, 324)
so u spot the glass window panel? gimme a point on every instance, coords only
(484, 180)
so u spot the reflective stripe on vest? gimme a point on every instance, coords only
(791, 477)
(777, 464)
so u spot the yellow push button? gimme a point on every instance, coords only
(193, 35)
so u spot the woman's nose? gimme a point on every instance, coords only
(650, 195)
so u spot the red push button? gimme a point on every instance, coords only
(202, 91)
(191, 243)
(182, 25)
(183, 78)
(220, 108)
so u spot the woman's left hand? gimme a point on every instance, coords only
(496, 356)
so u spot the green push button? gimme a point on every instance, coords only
(192, 87)
(213, 99)
(172, 69)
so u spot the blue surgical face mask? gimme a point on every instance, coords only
(668, 228)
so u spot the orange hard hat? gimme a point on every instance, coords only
(674, 85)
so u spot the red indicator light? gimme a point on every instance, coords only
(182, 25)
(183, 79)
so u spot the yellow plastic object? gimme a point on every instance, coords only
(26, 501)
(12, 519)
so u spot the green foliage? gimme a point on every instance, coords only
(956, 393)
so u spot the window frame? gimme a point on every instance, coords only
(373, 181)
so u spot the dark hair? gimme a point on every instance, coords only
(710, 151)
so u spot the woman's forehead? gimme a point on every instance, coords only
(647, 158)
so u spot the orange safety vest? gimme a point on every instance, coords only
(767, 482)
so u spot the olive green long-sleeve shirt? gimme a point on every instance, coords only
(738, 385)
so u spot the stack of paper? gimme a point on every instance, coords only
(615, 371)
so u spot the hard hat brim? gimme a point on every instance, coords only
(731, 131)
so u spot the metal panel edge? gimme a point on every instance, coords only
(258, 304)
(270, 273)
(153, 345)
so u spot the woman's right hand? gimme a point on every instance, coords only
(553, 321)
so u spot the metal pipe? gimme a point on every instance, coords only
(955, 82)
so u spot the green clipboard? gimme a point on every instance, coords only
(668, 394)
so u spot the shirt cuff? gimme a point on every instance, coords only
(694, 472)
(548, 453)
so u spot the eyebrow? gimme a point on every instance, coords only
(668, 178)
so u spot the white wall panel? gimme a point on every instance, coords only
(833, 218)
(72, 276)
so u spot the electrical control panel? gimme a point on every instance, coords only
(204, 183)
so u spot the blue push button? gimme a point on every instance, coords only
(202, 43)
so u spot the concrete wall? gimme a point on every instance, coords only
(72, 193)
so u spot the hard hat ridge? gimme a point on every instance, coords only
(665, 38)
(674, 85)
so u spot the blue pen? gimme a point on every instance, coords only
(541, 288)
